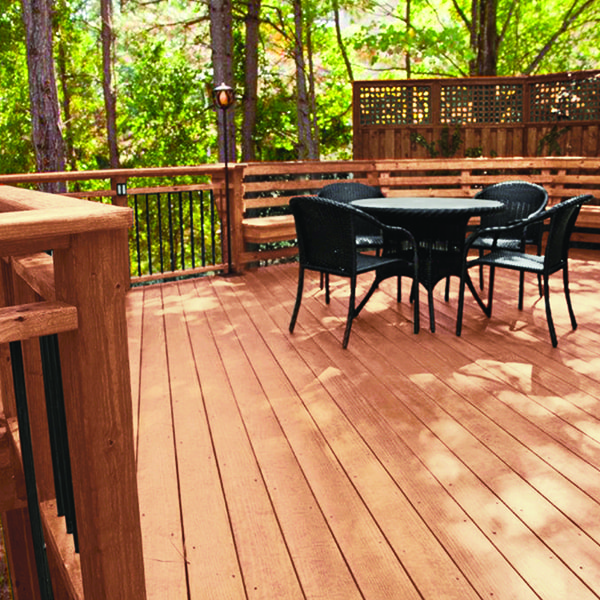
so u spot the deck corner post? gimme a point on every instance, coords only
(237, 215)
(93, 275)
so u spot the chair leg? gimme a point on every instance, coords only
(351, 311)
(298, 299)
(487, 309)
(461, 302)
(568, 297)
(327, 293)
(480, 271)
(431, 310)
(549, 312)
(416, 312)
(521, 288)
(488, 312)
(447, 290)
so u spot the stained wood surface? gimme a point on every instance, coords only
(423, 466)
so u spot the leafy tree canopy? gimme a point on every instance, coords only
(164, 77)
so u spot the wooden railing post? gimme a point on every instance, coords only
(236, 183)
(93, 275)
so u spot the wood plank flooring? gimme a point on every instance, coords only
(275, 466)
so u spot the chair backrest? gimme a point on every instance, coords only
(326, 233)
(520, 198)
(562, 222)
(347, 191)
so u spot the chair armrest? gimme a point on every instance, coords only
(499, 231)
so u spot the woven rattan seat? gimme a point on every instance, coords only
(326, 233)
(561, 218)
(521, 199)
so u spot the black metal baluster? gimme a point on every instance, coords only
(202, 233)
(137, 234)
(192, 237)
(59, 441)
(148, 233)
(171, 232)
(160, 236)
(35, 518)
(181, 239)
(213, 229)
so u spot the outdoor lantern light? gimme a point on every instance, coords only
(224, 97)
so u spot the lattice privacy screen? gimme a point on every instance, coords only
(395, 105)
(481, 104)
(570, 100)
(466, 102)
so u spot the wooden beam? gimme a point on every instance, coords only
(64, 562)
(11, 471)
(37, 270)
(36, 319)
(94, 276)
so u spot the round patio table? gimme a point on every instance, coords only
(440, 228)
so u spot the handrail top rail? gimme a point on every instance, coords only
(290, 167)
(26, 214)
(110, 173)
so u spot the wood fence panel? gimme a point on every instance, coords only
(504, 116)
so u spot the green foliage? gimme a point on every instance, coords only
(163, 72)
(16, 150)
(550, 141)
(167, 118)
(447, 146)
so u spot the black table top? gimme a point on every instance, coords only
(430, 206)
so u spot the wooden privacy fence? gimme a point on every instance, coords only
(542, 115)
(67, 467)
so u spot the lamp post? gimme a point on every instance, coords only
(224, 98)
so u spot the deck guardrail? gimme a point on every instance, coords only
(75, 295)
(184, 232)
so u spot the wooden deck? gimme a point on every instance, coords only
(432, 467)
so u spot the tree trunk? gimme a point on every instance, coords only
(340, 40)
(302, 106)
(487, 51)
(110, 100)
(222, 60)
(313, 150)
(45, 114)
(407, 63)
(474, 35)
(250, 81)
(61, 63)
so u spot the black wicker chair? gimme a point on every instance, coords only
(562, 219)
(326, 232)
(367, 235)
(521, 199)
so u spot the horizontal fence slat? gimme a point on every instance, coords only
(25, 321)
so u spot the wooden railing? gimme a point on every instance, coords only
(262, 228)
(268, 187)
(178, 214)
(77, 292)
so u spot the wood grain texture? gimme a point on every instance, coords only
(93, 275)
(424, 466)
(36, 319)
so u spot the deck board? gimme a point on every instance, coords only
(425, 466)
